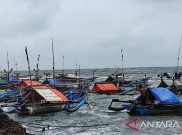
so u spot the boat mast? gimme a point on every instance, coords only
(179, 53)
(8, 66)
(9, 71)
(122, 59)
(53, 59)
(28, 65)
(38, 61)
(79, 77)
(79, 71)
(63, 65)
(76, 71)
(37, 69)
(16, 67)
(7, 61)
(1, 70)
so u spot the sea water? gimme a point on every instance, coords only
(96, 115)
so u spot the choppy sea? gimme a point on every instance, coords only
(98, 119)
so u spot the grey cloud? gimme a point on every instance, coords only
(91, 33)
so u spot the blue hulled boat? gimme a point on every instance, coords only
(159, 101)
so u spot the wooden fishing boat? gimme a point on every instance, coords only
(68, 77)
(159, 101)
(109, 88)
(74, 78)
(57, 85)
(122, 82)
(41, 99)
(159, 109)
(174, 85)
(75, 100)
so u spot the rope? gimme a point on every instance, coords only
(96, 125)
(43, 127)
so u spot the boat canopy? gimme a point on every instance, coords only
(104, 86)
(14, 80)
(51, 94)
(55, 82)
(163, 95)
(28, 83)
(3, 82)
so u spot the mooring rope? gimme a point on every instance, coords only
(44, 127)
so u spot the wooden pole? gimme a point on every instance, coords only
(53, 59)
(8, 66)
(28, 64)
(122, 59)
(63, 67)
(79, 76)
(37, 69)
(179, 54)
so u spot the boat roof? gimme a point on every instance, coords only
(50, 94)
(163, 95)
(104, 86)
(55, 82)
(11, 79)
(28, 83)
(2, 82)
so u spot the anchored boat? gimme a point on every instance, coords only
(126, 83)
(175, 85)
(159, 101)
(42, 99)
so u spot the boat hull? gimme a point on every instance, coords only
(155, 110)
(35, 110)
(108, 92)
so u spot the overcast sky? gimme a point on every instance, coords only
(90, 32)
